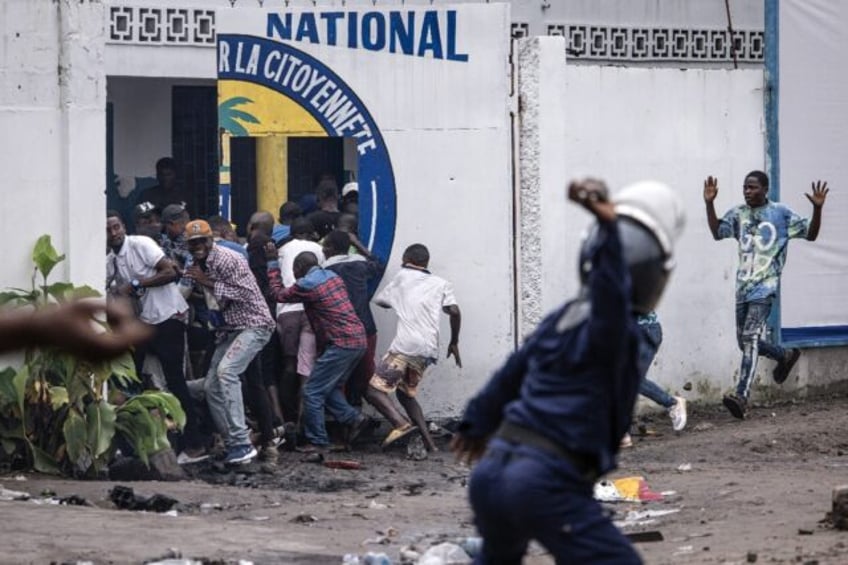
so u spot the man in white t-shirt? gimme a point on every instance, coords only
(137, 267)
(297, 340)
(418, 297)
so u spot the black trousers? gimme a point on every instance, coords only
(168, 344)
(256, 394)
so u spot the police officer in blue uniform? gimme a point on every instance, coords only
(551, 419)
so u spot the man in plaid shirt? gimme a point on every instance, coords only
(341, 340)
(244, 327)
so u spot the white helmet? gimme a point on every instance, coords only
(651, 219)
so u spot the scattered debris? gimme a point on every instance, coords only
(124, 497)
(627, 489)
(693, 536)
(751, 557)
(415, 449)
(369, 558)
(374, 505)
(687, 386)
(804, 532)
(643, 537)
(683, 550)
(6, 494)
(343, 464)
(163, 467)
(74, 500)
(643, 517)
(383, 537)
(408, 554)
(444, 554)
(414, 489)
(684, 467)
(438, 431)
(304, 519)
(379, 540)
(605, 491)
(703, 426)
(645, 431)
(472, 546)
(172, 557)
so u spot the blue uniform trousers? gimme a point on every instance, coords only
(519, 493)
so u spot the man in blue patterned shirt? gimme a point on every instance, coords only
(763, 230)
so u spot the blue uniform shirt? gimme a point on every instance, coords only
(576, 378)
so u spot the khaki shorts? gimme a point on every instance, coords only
(399, 371)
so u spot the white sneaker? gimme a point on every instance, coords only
(678, 414)
(626, 442)
(185, 458)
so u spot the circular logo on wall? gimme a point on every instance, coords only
(302, 96)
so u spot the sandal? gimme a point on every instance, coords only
(398, 433)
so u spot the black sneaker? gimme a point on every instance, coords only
(781, 372)
(735, 405)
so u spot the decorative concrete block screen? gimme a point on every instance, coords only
(147, 25)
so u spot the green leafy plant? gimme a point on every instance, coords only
(143, 421)
(54, 412)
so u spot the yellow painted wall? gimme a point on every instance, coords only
(272, 179)
(272, 118)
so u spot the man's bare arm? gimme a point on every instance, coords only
(710, 193)
(455, 324)
(71, 327)
(817, 199)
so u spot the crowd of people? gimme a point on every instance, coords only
(267, 338)
(281, 324)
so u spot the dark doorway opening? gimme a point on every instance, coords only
(307, 160)
(310, 158)
(194, 144)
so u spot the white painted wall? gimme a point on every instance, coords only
(677, 126)
(198, 61)
(540, 210)
(620, 123)
(52, 102)
(141, 118)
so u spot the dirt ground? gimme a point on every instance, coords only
(757, 490)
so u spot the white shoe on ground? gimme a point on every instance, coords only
(187, 458)
(678, 414)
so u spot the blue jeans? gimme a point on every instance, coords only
(223, 385)
(520, 493)
(647, 351)
(751, 320)
(323, 389)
